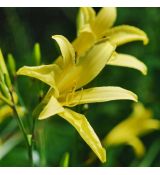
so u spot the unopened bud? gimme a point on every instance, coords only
(3, 67)
(65, 160)
(7, 81)
(37, 54)
(1, 77)
(4, 71)
(11, 65)
(29, 137)
(4, 90)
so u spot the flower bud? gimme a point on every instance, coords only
(1, 77)
(4, 90)
(11, 65)
(3, 67)
(7, 81)
(37, 54)
(4, 71)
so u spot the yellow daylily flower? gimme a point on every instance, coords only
(66, 79)
(139, 123)
(94, 27)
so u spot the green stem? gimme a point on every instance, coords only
(32, 138)
(22, 128)
(151, 154)
(42, 146)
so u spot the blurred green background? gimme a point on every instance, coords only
(20, 28)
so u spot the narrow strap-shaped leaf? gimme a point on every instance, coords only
(9, 144)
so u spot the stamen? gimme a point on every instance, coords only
(71, 94)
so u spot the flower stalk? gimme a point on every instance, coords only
(22, 128)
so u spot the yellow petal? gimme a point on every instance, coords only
(53, 107)
(93, 62)
(124, 33)
(85, 16)
(147, 125)
(87, 68)
(84, 41)
(104, 20)
(66, 48)
(152, 124)
(99, 94)
(43, 103)
(115, 139)
(143, 116)
(83, 127)
(45, 73)
(125, 60)
(139, 111)
(137, 145)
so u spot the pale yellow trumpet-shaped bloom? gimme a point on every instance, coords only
(139, 123)
(66, 81)
(93, 28)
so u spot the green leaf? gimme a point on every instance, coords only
(65, 160)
